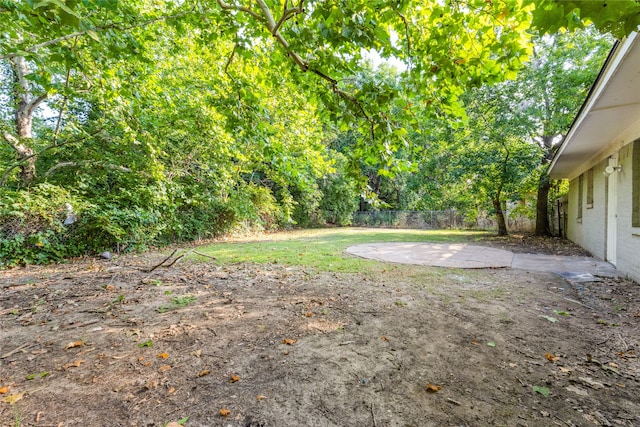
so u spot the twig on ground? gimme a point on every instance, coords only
(373, 415)
(578, 302)
(626, 346)
(555, 416)
(22, 347)
(79, 325)
(175, 260)
(163, 261)
(572, 300)
(204, 255)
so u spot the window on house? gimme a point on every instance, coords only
(590, 188)
(580, 195)
(635, 184)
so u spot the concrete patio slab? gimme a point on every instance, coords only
(462, 255)
(457, 255)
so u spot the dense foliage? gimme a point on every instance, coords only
(132, 123)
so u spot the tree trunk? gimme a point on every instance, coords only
(544, 185)
(502, 225)
(26, 158)
(25, 102)
(542, 206)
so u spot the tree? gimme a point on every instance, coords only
(496, 156)
(158, 113)
(555, 83)
(445, 46)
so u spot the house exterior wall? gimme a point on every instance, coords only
(590, 231)
(628, 247)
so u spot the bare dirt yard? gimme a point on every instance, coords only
(105, 343)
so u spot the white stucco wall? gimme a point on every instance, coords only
(591, 231)
(628, 247)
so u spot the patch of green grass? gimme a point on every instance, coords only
(38, 375)
(324, 249)
(177, 302)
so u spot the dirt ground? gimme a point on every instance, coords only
(104, 343)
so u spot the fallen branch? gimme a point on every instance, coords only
(163, 261)
(204, 255)
(80, 325)
(175, 260)
(373, 415)
(22, 347)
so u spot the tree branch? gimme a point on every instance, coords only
(34, 104)
(287, 14)
(3, 180)
(229, 60)
(62, 107)
(406, 32)
(244, 9)
(98, 28)
(11, 140)
(77, 164)
(274, 27)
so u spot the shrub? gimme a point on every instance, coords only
(32, 229)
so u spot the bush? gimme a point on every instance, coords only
(32, 229)
(200, 220)
(339, 201)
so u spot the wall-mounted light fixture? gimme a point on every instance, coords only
(612, 169)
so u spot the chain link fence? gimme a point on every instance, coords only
(434, 220)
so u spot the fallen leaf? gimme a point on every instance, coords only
(74, 364)
(550, 319)
(173, 424)
(542, 390)
(234, 378)
(148, 363)
(433, 388)
(164, 368)
(491, 344)
(565, 370)
(163, 356)
(551, 358)
(110, 288)
(613, 365)
(73, 345)
(204, 372)
(38, 375)
(474, 342)
(224, 412)
(513, 365)
(561, 313)
(13, 398)
(286, 353)
(289, 341)
(260, 397)
(383, 338)
(4, 390)
(172, 390)
(196, 353)
(309, 314)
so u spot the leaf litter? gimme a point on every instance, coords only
(233, 318)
